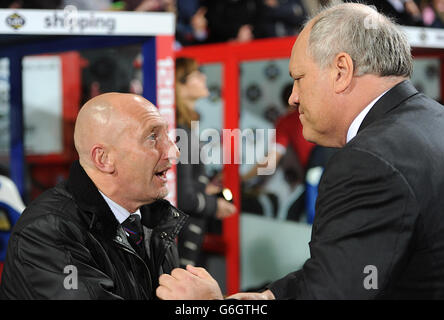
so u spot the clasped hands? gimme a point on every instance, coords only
(194, 283)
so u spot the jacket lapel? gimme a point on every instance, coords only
(160, 215)
(389, 101)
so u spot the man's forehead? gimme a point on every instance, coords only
(299, 52)
(142, 108)
(153, 118)
(296, 57)
(302, 40)
(143, 112)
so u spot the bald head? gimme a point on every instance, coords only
(125, 148)
(103, 119)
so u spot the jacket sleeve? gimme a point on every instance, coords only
(191, 196)
(365, 216)
(49, 261)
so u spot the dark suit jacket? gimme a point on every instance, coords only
(379, 225)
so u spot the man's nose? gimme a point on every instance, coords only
(293, 100)
(172, 152)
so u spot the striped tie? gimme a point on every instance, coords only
(134, 229)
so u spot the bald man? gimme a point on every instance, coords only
(107, 232)
(378, 231)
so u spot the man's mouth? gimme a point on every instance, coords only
(162, 174)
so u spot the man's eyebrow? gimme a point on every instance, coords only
(298, 75)
(155, 126)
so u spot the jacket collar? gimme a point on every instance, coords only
(389, 101)
(160, 215)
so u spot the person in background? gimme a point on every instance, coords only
(97, 5)
(192, 25)
(291, 152)
(280, 18)
(433, 13)
(288, 134)
(405, 12)
(30, 4)
(196, 195)
(242, 15)
(150, 5)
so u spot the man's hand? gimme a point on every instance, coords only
(190, 284)
(212, 189)
(224, 209)
(266, 295)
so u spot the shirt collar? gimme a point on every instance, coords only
(119, 212)
(354, 127)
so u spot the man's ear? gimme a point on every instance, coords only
(343, 69)
(102, 159)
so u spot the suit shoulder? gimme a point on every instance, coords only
(411, 130)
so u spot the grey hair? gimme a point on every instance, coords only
(374, 42)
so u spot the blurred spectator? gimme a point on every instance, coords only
(192, 25)
(30, 4)
(96, 5)
(150, 5)
(110, 69)
(196, 194)
(288, 133)
(245, 20)
(405, 12)
(232, 20)
(281, 17)
(291, 153)
(433, 13)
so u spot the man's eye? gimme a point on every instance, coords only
(152, 136)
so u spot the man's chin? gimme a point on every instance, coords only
(307, 135)
(163, 193)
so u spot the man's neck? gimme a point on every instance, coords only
(110, 189)
(365, 90)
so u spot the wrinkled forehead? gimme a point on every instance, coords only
(150, 118)
(153, 118)
(144, 114)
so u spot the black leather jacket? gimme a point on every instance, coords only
(68, 245)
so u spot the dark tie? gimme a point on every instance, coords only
(134, 229)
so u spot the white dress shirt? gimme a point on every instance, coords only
(119, 212)
(354, 127)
